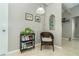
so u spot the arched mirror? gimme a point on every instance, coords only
(52, 22)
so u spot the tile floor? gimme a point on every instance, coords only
(69, 48)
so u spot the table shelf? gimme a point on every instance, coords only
(27, 44)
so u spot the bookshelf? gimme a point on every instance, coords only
(27, 41)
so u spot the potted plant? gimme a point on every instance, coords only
(26, 31)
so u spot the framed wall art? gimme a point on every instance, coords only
(52, 22)
(37, 18)
(28, 16)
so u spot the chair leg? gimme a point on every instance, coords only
(53, 46)
(41, 46)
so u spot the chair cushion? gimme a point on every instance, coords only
(46, 39)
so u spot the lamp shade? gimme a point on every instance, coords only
(40, 10)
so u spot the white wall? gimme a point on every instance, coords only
(17, 22)
(66, 14)
(76, 32)
(75, 12)
(66, 26)
(54, 9)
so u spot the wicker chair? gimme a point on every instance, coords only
(47, 38)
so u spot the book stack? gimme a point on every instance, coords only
(23, 38)
(26, 38)
(24, 45)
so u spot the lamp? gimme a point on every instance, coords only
(40, 10)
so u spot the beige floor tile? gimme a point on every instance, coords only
(69, 48)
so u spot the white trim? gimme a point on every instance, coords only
(65, 38)
(59, 47)
(18, 50)
(14, 51)
(54, 46)
(75, 38)
(11, 52)
(37, 44)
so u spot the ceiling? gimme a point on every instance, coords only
(70, 5)
(66, 7)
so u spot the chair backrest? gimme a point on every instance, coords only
(47, 34)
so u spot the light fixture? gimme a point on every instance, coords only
(40, 10)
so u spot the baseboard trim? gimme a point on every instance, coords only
(15, 51)
(54, 46)
(59, 47)
(11, 52)
(37, 44)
